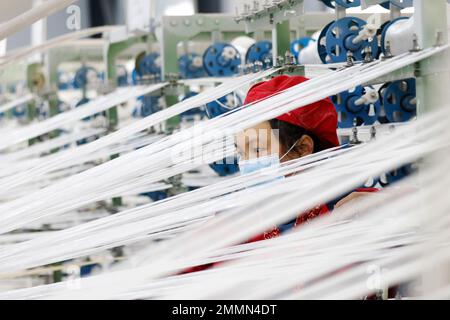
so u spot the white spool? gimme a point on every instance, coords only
(310, 54)
(400, 36)
(242, 44)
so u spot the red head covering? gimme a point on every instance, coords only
(319, 118)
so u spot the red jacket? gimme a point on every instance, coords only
(276, 231)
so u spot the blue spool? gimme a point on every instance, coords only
(339, 37)
(215, 109)
(385, 28)
(149, 65)
(20, 111)
(298, 45)
(349, 111)
(400, 4)
(221, 60)
(260, 51)
(81, 77)
(147, 106)
(321, 46)
(397, 99)
(189, 68)
(342, 3)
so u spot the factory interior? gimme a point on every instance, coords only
(224, 150)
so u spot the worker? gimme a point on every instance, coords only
(301, 132)
(292, 135)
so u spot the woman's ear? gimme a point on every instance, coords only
(305, 146)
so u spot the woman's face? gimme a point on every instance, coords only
(261, 140)
(257, 141)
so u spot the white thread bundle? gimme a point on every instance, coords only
(12, 104)
(243, 110)
(286, 188)
(136, 127)
(46, 146)
(89, 109)
(157, 154)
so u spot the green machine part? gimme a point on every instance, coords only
(113, 51)
(281, 35)
(181, 29)
(434, 73)
(36, 82)
(199, 27)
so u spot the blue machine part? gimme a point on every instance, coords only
(147, 105)
(20, 111)
(384, 29)
(336, 39)
(399, 100)
(396, 175)
(342, 3)
(215, 109)
(260, 51)
(321, 45)
(64, 82)
(398, 3)
(351, 113)
(223, 105)
(191, 66)
(223, 168)
(156, 195)
(221, 60)
(122, 76)
(134, 77)
(371, 183)
(190, 114)
(82, 77)
(150, 64)
(86, 270)
(298, 45)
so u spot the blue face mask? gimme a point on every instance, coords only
(252, 165)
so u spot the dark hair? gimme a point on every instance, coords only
(289, 134)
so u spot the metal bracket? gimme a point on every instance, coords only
(278, 12)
